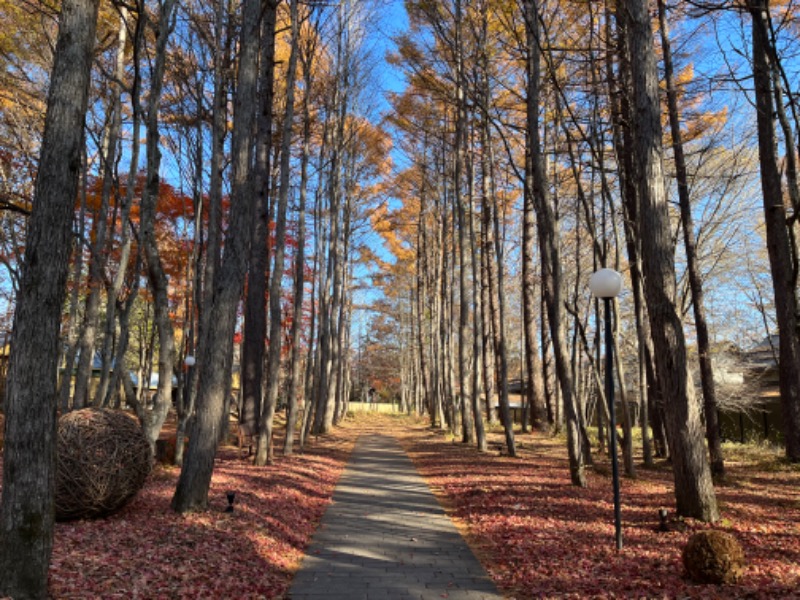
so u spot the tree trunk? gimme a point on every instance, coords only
(487, 354)
(694, 490)
(73, 336)
(477, 314)
(299, 259)
(255, 331)
(619, 94)
(496, 309)
(27, 512)
(214, 361)
(424, 316)
(468, 433)
(710, 408)
(97, 261)
(264, 452)
(548, 245)
(157, 276)
(780, 242)
(329, 309)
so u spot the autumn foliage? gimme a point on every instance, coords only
(537, 536)
(540, 537)
(148, 551)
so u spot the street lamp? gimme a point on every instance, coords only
(607, 284)
(189, 363)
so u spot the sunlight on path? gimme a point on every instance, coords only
(386, 537)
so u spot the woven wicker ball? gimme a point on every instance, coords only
(103, 461)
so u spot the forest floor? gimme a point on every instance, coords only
(146, 551)
(537, 535)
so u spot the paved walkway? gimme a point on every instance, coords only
(385, 537)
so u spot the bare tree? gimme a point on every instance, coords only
(548, 244)
(690, 243)
(781, 240)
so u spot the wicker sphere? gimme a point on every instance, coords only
(713, 557)
(103, 461)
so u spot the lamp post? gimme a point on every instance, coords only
(607, 284)
(189, 362)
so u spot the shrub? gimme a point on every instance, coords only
(713, 557)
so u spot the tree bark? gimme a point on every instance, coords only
(780, 242)
(157, 277)
(548, 245)
(264, 451)
(468, 432)
(299, 259)
(27, 511)
(214, 361)
(255, 328)
(710, 408)
(694, 491)
(496, 309)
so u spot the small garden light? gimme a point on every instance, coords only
(662, 518)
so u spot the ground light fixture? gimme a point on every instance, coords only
(189, 361)
(607, 284)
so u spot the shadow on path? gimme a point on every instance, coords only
(386, 537)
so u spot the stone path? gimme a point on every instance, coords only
(386, 537)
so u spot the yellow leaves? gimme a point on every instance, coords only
(372, 145)
(686, 76)
(395, 229)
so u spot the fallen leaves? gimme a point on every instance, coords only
(539, 536)
(147, 551)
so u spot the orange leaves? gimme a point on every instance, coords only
(541, 537)
(395, 231)
(146, 550)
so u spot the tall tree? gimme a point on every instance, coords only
(468, 434)
(97, 262)
(694, 491)
(552, 283)
(781, 244)
(152, 421)
(713, 433)
(27, 510)
(214, 362)
(534, 388)
(264, 453)
(255, 325)
(300, 254)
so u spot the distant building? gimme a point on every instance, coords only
(751, 381)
